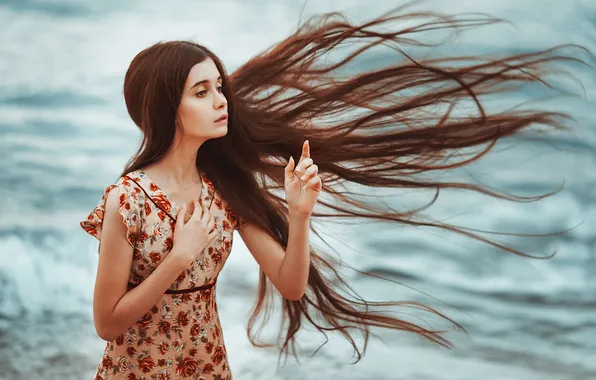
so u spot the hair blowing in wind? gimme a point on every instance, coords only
(382, 128)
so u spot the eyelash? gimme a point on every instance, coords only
(200, 92)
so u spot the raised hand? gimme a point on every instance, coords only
(302, 183)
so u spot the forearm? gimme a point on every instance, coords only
(294, 268)
(138, 301)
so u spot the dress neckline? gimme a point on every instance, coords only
(161, 198)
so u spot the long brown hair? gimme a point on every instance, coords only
(380, 128)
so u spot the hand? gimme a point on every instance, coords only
(191, 236)
(302, 183)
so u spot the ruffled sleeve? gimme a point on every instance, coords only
(241, 223)
(129, 210)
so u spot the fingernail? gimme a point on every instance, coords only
(302, 178)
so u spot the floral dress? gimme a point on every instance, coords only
(180, 336)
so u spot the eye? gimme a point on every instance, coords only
(201, 93)
(220, 88)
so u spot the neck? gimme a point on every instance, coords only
(178, 166)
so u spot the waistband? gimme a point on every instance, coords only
(181, 291)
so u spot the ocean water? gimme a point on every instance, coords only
(65, 135)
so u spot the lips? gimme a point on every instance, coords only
(222, 117)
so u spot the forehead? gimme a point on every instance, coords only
(205, 70)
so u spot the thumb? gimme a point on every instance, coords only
(290, 167)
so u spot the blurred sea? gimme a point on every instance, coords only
(65, 135)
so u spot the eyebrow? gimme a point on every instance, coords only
(201, 82)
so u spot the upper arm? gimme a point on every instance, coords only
(115, 259)
(268, 253)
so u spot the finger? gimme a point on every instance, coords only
(206, 213)
(180, 216)
(310, 172)
(305, 151)
(212, 236)
(196, 213)
(315, 184)
(301, 167)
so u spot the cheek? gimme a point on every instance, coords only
(193, 116)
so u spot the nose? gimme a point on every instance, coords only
(220, 101)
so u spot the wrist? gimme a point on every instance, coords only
(175, 260)
(299, 215)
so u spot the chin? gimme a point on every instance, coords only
(217, 132)
(223, 130)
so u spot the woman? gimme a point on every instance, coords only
(215, 150)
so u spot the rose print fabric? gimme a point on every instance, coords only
(180, 337)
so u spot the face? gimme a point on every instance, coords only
(203, 103)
